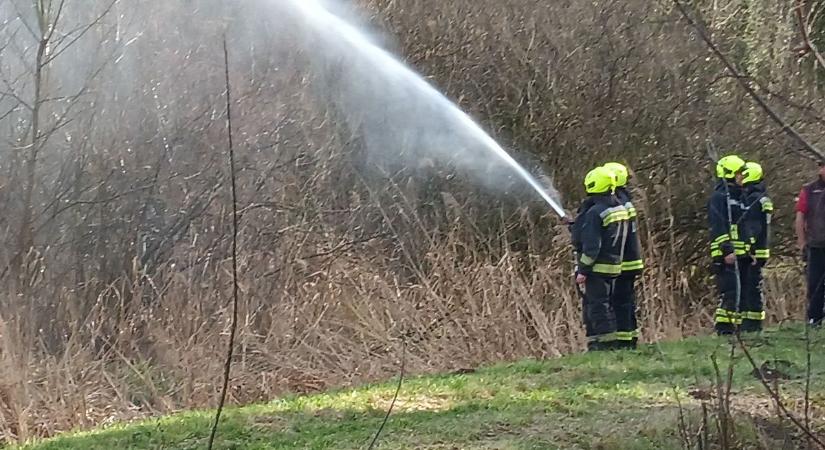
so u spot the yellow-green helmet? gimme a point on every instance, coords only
(599, 181)
(620, 170)
(753, 173)
(729, 166)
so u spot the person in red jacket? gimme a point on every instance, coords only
(810, 235)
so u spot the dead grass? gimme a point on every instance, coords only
(339, 267)
(337, 326)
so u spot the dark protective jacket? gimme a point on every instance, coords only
(599, 235)
(632, 262)
(725, 235)
(757, 222)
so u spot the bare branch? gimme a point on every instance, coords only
(9, 112)
(82, 33)
(55, 21)
(34, 35)
(775, 396)
(808, 148)
(12, 94)
(804, 29)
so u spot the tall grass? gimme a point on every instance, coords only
(118, 309)
(153, 345)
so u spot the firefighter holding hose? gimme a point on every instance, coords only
(599, 233)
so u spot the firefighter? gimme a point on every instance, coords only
(727, 249)
(623, 299)
(599, 233)
(758, 212)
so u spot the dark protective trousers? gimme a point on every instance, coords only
(623, 302)
(599, 317)
(752, 306)
(816, 285)
(727, 316)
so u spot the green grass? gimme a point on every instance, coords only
(618, 400)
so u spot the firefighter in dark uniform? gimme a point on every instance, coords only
(758, 212)
(623, 299)
(599, 233)
(727, 249)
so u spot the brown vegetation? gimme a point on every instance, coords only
(114, 189)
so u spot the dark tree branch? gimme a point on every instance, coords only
(394, 397)
(808, 148)
(806, 36)
(25, 24)
(234, 324)
(775, 396)
(81, 34)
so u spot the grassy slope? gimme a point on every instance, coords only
(621, 400)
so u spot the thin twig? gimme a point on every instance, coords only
(395, 397)
(731, 428)
(803, 27)
(742, 80)
(704, 436)
(234, 325)
(683, 427)
(721, 408)
(808, 379)
(775, 397)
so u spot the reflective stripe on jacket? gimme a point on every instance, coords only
(599, 235)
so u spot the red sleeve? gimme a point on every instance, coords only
(802, 202)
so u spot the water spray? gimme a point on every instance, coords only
(323, 20)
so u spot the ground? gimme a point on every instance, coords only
(653, 398)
